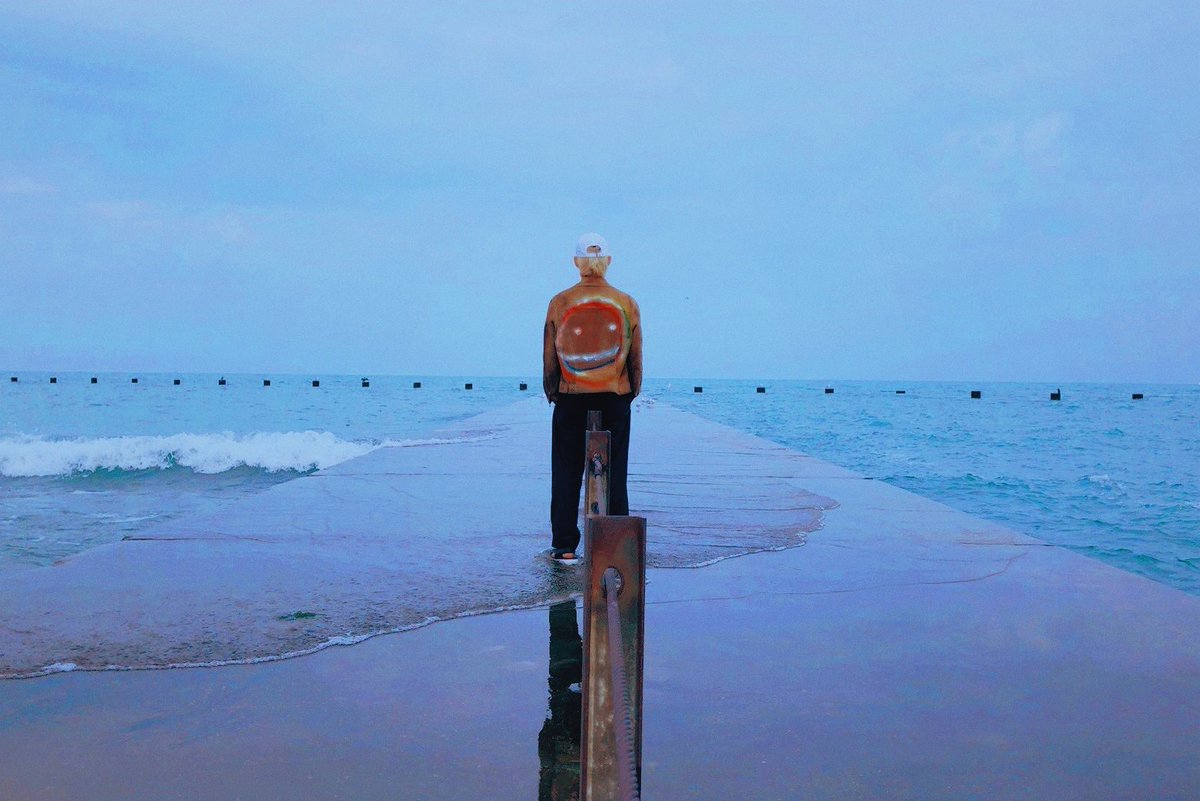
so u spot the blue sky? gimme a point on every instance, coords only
(982, 191)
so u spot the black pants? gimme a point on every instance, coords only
(567, 452)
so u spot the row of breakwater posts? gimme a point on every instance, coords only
(975, 394)
(365, 383)
(614, 618)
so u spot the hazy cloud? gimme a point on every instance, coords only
(824, 191)
(25, 186)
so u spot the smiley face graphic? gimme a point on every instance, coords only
(592, 337)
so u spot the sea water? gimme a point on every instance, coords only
(85, 464)
(1096, 471)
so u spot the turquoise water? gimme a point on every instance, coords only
(82, 464)
(1096, 472)
(85, 464)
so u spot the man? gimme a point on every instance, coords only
(591, 361)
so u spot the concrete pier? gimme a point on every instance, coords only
(902, 649)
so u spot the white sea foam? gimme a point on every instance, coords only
(1106, 481)
(26, 456)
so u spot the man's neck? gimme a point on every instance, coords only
(593, 280)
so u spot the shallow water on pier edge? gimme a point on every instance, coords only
(397, 538)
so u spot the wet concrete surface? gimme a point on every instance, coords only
(906, 651)
(389, 541)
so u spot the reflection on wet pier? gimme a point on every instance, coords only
(558, 741)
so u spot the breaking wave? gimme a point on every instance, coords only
(300, 451)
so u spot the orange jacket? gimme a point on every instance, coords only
(592, 341)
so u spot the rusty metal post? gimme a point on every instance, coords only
(595, 496)
(620, 543)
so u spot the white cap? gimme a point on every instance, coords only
(591, 241)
